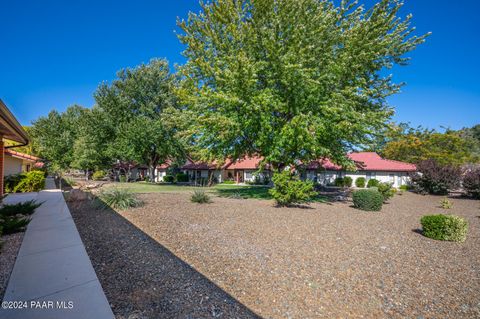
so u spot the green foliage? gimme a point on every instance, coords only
(368, 200)
(139, 108)
(13, 224)
(446, 204)
(34, 181)
(471, 183)
(445, 227)
(404, 187)
(69, 181)
(168, 178)
(289, 189)
(338, 182)
(292, 80)
(373, 182)
(22, 208)
(181, 178)
(228, 182)
(386, 190)
(360, 182)
(199, 196)
(122, 178)
(98, 175)
(11, 181)
(119, 198)
(416, 145)
(347, 181)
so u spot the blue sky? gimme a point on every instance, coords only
(54, 54)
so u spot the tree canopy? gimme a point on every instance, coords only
(291, 80)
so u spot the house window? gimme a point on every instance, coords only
(371, 175)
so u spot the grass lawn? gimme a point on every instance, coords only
(221, 190)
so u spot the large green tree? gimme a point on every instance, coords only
(291, 80)
(138, 110)
(55, 135)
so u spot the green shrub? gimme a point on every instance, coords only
(34, 181)
(386, 190)
(444, 227)
(288, 189)
(13, 224)
(199, 196)
(404, 187)
(181, 178)
(122, 179)
(69, 181)
(367, 199)
(11, 181)
(228, 182)
(360, 182)
(25, 208)
(119, 198)
(338, 182)
(168, 178)
(98, 175)
(373, 183)
(446, 204)
(347, 181)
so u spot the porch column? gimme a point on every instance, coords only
(2, 157)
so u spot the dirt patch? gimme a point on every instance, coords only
(8, 254)
(327, 261)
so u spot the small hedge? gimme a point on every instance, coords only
(181, 178)
(168, 178)
(347, 181)
(373, 183)
(289, 189)
(34, 181)
(386, 190)
(368, 200)
(228, 182)
(338, 182)
(98, 175)
(360, 182)
(444, 227)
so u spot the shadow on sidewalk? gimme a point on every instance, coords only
(143, 279)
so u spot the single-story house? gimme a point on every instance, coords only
(12, 130)
(16, 162)
(245, 170)
(369, 165)
(202, 172)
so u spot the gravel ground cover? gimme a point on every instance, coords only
(250, 258)
(8, 255)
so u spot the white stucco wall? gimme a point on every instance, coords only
(12, 166)
(396, 178)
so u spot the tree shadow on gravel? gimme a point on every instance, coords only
(143, 279)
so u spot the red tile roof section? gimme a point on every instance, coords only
(247, 162)
(367, 161)
(21, 155)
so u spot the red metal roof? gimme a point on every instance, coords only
(366, 161)
(247, 162)
(21, 155)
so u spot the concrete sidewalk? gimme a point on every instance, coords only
(53, 276)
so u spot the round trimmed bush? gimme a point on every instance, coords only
(360, 182)
(444, 227)
(168, 178)
(368, 200)
(347, 181)
(98, 175)
(339, 182)
(181, 177)
(373, 183)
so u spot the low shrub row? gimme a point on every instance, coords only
(15, 217)
(33, 181)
